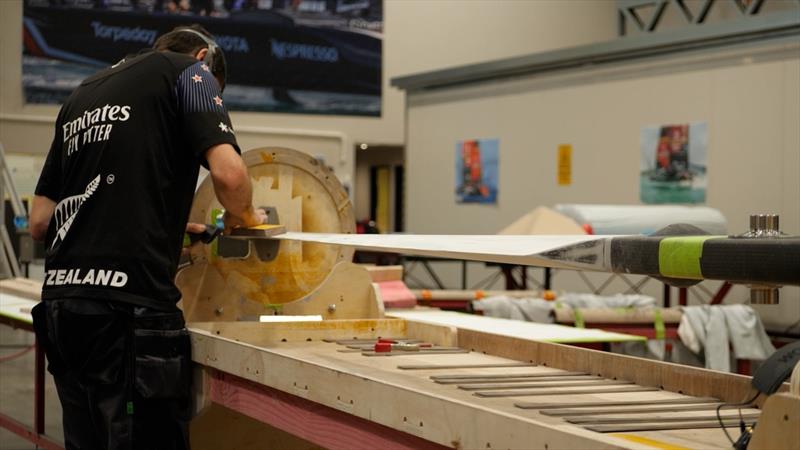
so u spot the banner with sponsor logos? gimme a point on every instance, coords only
(299, 56)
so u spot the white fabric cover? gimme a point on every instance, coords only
(715, 330)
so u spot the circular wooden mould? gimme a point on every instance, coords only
(308, 197)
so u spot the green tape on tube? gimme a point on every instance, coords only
(578, 318)
(679, 257)
(658, 324)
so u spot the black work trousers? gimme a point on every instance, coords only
(123, 373)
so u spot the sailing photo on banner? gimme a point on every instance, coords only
(293, 56)
(476, 171)
(673, 166)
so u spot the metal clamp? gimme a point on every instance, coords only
(764, 226)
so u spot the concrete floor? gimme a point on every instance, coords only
(16, 400)
(16, 390)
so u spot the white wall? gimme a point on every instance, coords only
(749, 102)
(431, 35)
(750, 98)
(419, 35)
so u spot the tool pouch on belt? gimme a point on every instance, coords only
(163, 355)
(55, 365)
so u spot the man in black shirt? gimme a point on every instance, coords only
(112, 205)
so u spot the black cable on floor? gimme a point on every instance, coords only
(719, 418)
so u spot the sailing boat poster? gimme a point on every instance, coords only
(476, 171)
(673, 165)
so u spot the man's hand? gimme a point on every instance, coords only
(195, 228)
(192, 227)
(232, 187)
(250, 218)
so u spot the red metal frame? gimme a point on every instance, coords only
(33, 434)
(718, 297)
(600, 346)
(721, 293)
(743, 366)
(638, 329)
(683, 296)
(29, 434)
(316, 423)
(449, 305)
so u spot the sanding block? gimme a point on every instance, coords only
(266, 249)
(237, 244)
(257, 232)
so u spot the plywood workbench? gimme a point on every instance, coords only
(254, 371)
(285, 375)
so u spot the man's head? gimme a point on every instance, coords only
(196, 41)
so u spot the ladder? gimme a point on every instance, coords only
(9, 264)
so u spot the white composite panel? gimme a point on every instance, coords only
(523, 250)
(15, 307)
(512, 328)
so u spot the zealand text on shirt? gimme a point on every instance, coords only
(95, 277)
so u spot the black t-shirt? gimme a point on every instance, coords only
(122, 169)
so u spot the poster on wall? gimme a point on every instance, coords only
(673, 163)
(476, 171)
(293, 56)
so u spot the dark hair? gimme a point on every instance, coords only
(184, 39)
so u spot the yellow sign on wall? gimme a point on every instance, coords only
(565, 164)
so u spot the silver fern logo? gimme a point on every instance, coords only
(67, 209)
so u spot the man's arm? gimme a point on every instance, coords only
(232, 187)
(48, 188)
(210, 137)
(41, 213)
